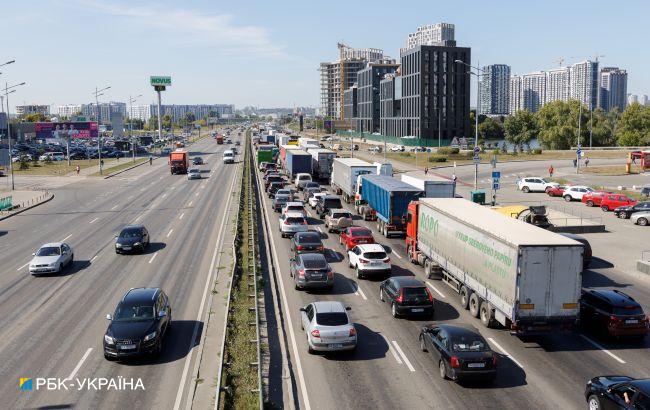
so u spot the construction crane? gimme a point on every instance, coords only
(342, 47)
(560, 61)
(596, 56)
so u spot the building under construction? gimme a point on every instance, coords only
(343, 72)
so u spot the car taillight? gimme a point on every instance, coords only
(387, 260)
(363, 260)
(301, 273)
(320, 248)
(353, 332)
(286, 222)
(300, 247)
(315, 333)
(330, 275)
(453, 360)
(400, 298)
(429, 295)
(494, 361)
(614, 318)
(303, 222)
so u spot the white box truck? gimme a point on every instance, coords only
(322, 160)
(304, 142)
(506, 271)
(432, 185)
(344, 175)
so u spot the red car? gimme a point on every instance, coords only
(555, 190)
(355, 235)
(613, 201)
(594, 198)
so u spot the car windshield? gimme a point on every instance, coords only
(127, 313)
(283, 192)
(319, 263)
(332, 319)
(628, 310)
(360, 232)
(468, 343)
(294, 208)
(281, 198)
(333, 203)
(309, 237)
(341, 215)
(130, 233)
(295, 220)
(375, 255)
(49, 251)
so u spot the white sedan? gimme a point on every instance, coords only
(369, 259)
(640, 218)
(51, 258)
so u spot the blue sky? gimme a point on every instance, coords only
(266, 53)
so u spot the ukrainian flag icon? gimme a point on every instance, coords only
(25, 383)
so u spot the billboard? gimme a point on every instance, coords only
(63, 130)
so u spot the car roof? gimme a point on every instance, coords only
(459, 330)
(313, 257)
(331, 196)
(337, 210)
(407, 281)
(141, 295)
(641, 384)
(295, 215)
(134, 226)
(296, 203)
(371, 247)
(329, 306)
(615, 297)
(307, 233)
(52, 244)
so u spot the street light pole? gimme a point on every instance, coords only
(99, 134)
(478, 102)
(131, 101)
(7, 92)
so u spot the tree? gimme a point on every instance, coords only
(35, 117)
(521, 128)
(558, 124)
(633, 129)
(166, 121)
(602, 127)
(153, 122)
(490, 129)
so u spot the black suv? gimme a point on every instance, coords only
(327, 202)
(625, 212)
(406, 296)
(613, 313)
(618, 392)
(132, 238)
(139, 324)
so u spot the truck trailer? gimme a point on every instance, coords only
(344, 175)
(297, 161)
(432, 185)
(179, 161)
(506, 271)
(321, 162)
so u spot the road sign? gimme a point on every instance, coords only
(495, 186)
(160, 80)
(477, 159)
(578, 152)
(496, 174)
(477, 150)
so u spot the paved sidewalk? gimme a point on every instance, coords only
(23, 200)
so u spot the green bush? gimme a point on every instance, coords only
(23, 163)
(496, 151)
(537, 151)
(437, 159)
(444, 150)
(454, 151)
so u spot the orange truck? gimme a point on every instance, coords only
(179, 161)
(219, 139)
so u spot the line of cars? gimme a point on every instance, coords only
(621, 205)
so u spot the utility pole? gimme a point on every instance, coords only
(7, 92)
(99, 133)
(478, 103)
(131, 101)
(578, 150)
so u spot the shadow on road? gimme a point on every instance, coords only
(592, 279)
(371, 346)
(176, 345)
(154, 247)
(598, 263)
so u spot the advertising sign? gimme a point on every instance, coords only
(160, 80)
(63, 130)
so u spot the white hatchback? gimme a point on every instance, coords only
(369, 259)
(291, 223)
(313, 200)
(575, 193)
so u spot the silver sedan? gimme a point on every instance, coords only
(51, 258)
(328, 327)
(641, 218)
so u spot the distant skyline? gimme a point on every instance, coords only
(262, 54)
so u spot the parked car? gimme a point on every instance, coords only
(311, 271)
(337, 220)
(556, 190)
(406, 296)
(594, 198)
(53, 156)
(617, 392)
(301, 179)
(306, 242)
(273, 188)
(625, 212)
(297, 207)
(370, 259)
(575, 193)
(279, 201)
(641, 218)
(613, 201)
(194, 173)
(612, 313)
(460, 352)
(645, 191)
(533, 184)
(51, 258)
(327, 202)
(291, 223)
(328, 327)
(313, 200)
(355, 235)
(197, 161)
(587, 253)
(139, 324)
(132, 238)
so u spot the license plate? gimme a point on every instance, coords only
(418, 310)
(126, 248)
(335, 345)
(362, 241)
(631, 321)
(316, 276)
(476, 365)
(126, 347)
(375, 263)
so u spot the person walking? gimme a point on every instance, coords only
(575, 162)
(426, 170)
(550, 171)
(150, 160)
(78, 169)
(586, 162)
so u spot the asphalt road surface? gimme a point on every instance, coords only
(53, 326)
(389, 371)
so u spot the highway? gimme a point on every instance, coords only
(389, 371)
(53, 326)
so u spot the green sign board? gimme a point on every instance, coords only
(160, 80)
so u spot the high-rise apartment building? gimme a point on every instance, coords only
(533, 91)
(644, 100)
(495, 80)
(439, 34)
(69, 110)
(367, 119)
(632, 98)
(350, 102)
(140, 112)
(32, 109)
(557, 84)
(584, 83)
(514, 94)
(613, 89)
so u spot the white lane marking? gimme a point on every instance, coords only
(164, 195)
(81, 362)
(196, 194)
(142, 190)
(138, 218)
(153, 257)
(401, 353)
(395, 253)
(217, 248)
(93, 221)
(23, 266)
(94, 257)
(190, 204)
(170, 232)
(319, 229)
(182, 215)
(161, 177)
(129, 197)
(115, 206)
(494, 342)
(66, 238)
(612, 355)
(390, 348)
(436, 290)
(360, 292)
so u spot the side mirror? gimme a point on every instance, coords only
(302, 309)
(162, 314)
(348, 308)
(292, 259)
(33, 253)
(109, 317)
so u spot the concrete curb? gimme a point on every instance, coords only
(51, 196)
(126, 169)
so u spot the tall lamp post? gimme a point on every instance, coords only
(478, 103)
(131, 101)
(97, 93)
(7, 92)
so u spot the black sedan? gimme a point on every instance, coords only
(625, 212)
(306, 242)
(197, 161)
(406, 296)
(132, 238)
(459, 352)
(617, 392)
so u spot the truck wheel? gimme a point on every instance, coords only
(464, 297)
(474, 304)
(486, 314)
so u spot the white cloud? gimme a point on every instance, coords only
(217, 31)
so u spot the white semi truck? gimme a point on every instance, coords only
(344, 175)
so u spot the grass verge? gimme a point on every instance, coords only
(124, 165)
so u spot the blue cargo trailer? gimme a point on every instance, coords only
(297, 161)
(389, 198)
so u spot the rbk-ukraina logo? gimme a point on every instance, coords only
(26, 383)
